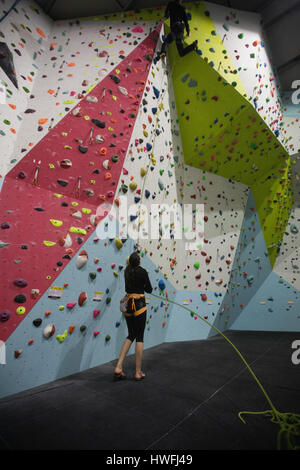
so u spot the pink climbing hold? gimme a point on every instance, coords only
(138, 29)
(96, 333)
(96, 313)
(71, 304)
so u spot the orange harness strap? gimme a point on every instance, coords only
(135, 312)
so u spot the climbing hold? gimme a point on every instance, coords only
(92, 99)
(20, 282)
(107, 338)
(108, 300)
(82, 299)
(62, 337)
(64, 240)
(161, 284)
(20, 310)
(20, 298)
(118, 243)
(71, 329)
(133, 186)
(82, 259)
(293, 228)
(49, 331)
(18, 353)
(204, 297)
(96, 313)
(92, 275)
(96, 333)
(37, 322)
(71, 304)
(4, 315)
(82, 328)
(98, 123)
(66, 163)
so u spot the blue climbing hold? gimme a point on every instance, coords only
(156, 92)
(161, 284)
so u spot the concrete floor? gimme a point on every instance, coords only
(190, 400)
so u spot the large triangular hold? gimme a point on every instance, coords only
(7, 63)
(49, 198)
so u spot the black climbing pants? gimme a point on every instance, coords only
(136, 327)
(176, 34)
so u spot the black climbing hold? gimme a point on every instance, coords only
(22, 175)
(82, 149)
(59, 263)
(20, 298)
(115, 79)
(37, 322)
(39, 209)
(92, 275)
(64, 204)
(98, 123)
(62, 183)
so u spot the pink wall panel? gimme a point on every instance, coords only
(19, 198)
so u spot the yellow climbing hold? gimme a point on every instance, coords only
(48, 243)
(133, 186)
(57, 195)
(62, 337)
(143, 171)
(116, 274)
(81, 231)
(20, 310)
(51, 166)
(74, 204)
(86, 211)
(56, 223)
(119, 243)
(87, 118)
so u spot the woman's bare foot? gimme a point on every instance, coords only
(139, 375)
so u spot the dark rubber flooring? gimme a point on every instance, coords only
(189, 400)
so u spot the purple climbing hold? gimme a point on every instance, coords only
(5, 225)
(20, 282)
(4, 315)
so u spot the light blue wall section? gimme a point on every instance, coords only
(184, 327)
(47, 359)
(250, 268)
(279, 312)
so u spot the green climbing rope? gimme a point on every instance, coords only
(289, 423)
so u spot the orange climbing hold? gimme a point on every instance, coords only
(40, 32)
(42, 121)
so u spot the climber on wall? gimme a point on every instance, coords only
(178, 21)
(136, 283)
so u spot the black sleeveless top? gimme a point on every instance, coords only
(137, 281)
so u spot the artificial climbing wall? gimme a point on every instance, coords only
(101, 122)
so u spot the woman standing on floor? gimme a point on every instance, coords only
(136, 283)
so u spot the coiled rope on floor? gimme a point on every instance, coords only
(289, 423)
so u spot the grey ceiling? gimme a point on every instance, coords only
(281, 20)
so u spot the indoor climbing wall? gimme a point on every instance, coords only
(23, 35)
(106, 139)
